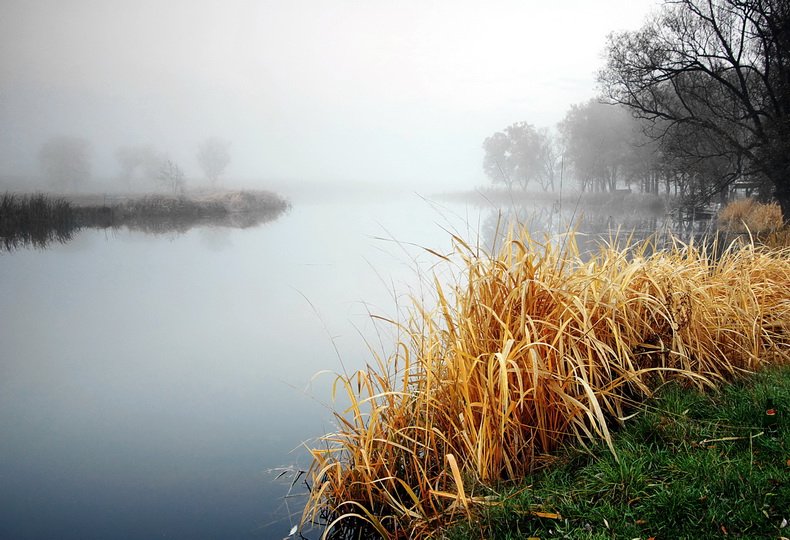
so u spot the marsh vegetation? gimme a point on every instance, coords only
(533, 346)
(37, 220)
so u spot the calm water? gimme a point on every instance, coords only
(153, 386)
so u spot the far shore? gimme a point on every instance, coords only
(39, 219)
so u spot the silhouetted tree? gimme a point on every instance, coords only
(715, 73)
(171, 177)
(65, 162)
(214, 156)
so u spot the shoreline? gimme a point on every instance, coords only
(36, 220)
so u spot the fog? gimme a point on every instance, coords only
(308, 92)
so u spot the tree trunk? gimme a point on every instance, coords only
(783, 198)
(780, 178)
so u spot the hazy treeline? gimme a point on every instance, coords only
(65, 164)
(597, 147)
(693, 102)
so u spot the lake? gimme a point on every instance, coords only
(161, 386)
(156, 386)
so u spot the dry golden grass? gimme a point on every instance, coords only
(750, 216)
(531, 347)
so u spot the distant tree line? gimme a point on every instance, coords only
(694, 101)
(66, 164)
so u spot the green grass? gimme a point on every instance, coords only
(690, 466)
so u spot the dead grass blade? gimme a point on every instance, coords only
(530, 347)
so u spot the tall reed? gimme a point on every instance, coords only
(530, 347)
(34, 220)
(750, 216)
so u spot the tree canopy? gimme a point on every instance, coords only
(599, 146)
(711, 79)
(520, 155)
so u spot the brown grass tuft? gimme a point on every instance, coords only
(529, 348)
(750, 216)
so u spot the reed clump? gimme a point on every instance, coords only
(213, 205)
(34, 220)
(164, 213)
(531, 347)
(751, 216)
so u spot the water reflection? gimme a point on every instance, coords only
(38, 221)
(38, 237)
(158, 388)
(594, 224)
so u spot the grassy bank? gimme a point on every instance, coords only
(162, 213)
(531, 348)
(690, 465)
(36, 220)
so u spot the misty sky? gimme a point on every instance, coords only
(306, 90)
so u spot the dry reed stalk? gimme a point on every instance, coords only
(533, 346)
(750, 216)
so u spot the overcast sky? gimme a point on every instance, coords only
(306, 90)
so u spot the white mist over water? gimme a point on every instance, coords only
(375, 92)
(149, 383)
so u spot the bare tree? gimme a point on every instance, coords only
(214, 156)
(171, 177)
(714, 72)
(550, 159)
(65, 161)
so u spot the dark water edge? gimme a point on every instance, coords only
(36, 221)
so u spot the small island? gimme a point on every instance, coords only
(36, 220)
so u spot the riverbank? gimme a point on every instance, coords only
(161, 213)
(619, 200)
(690, 465)
(529, 349)
(38, 219)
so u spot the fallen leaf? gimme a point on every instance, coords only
(640, 521)
(549, 515)
(724, 530)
